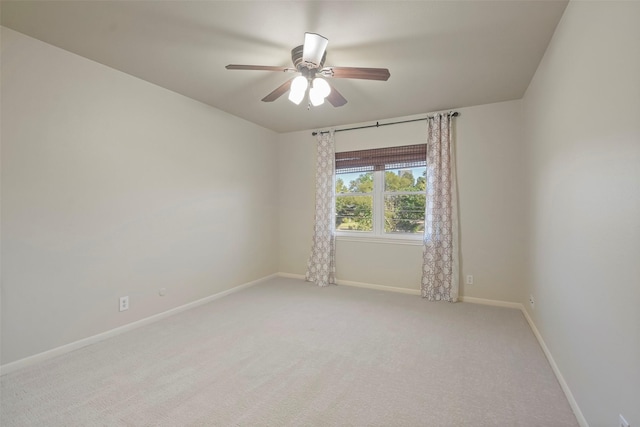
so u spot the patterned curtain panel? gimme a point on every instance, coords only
(321, 268)
(440, 251)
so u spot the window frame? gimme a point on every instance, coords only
(378, 233)
(354, 194)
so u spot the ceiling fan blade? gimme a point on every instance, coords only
(257, 67)
(278, 92)
(313, 49)
(335, 98)
(356, 73)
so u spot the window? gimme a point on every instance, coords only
(404, 200)
(354, 201)
(381, 192)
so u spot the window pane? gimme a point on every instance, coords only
(404, 213)
(353, 213)
(359, 182)
(408, 179)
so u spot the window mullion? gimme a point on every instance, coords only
(378, 202)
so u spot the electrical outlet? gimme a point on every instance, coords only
(469, 279)
(532, 302)
(623, 422)
(162, 292)
(124, 303)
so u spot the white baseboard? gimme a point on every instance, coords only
(493, 302)
(291, 275)
(496, 303)
(40, 357)
(563, 384)
(31, 360)
(378, 287)
(359, 284)
(407, 291)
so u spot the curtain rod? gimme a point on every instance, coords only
(377, 125)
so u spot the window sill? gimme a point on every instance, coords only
(393, 240)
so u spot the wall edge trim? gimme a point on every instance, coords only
(49, 354)
(556, 370)
(492, 302)
(75, 345)
(496, 303)
(359, 284)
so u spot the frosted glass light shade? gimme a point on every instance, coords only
(320, 89)
(315, 96)
(298, 89)
(321, 86)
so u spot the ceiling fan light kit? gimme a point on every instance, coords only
(308, 60)
(320, 89)
(298, 89)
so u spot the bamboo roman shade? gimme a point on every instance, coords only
(407, 156)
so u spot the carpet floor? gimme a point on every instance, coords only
(287, 353)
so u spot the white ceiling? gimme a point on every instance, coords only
(441, 54)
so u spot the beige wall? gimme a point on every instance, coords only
(582, 123)
(490, 160)
(113, 186)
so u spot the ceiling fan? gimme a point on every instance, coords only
(308, 60)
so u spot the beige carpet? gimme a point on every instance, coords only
(287, 353)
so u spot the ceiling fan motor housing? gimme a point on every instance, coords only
(300, 65)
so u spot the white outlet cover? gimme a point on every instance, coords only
(124, 303)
